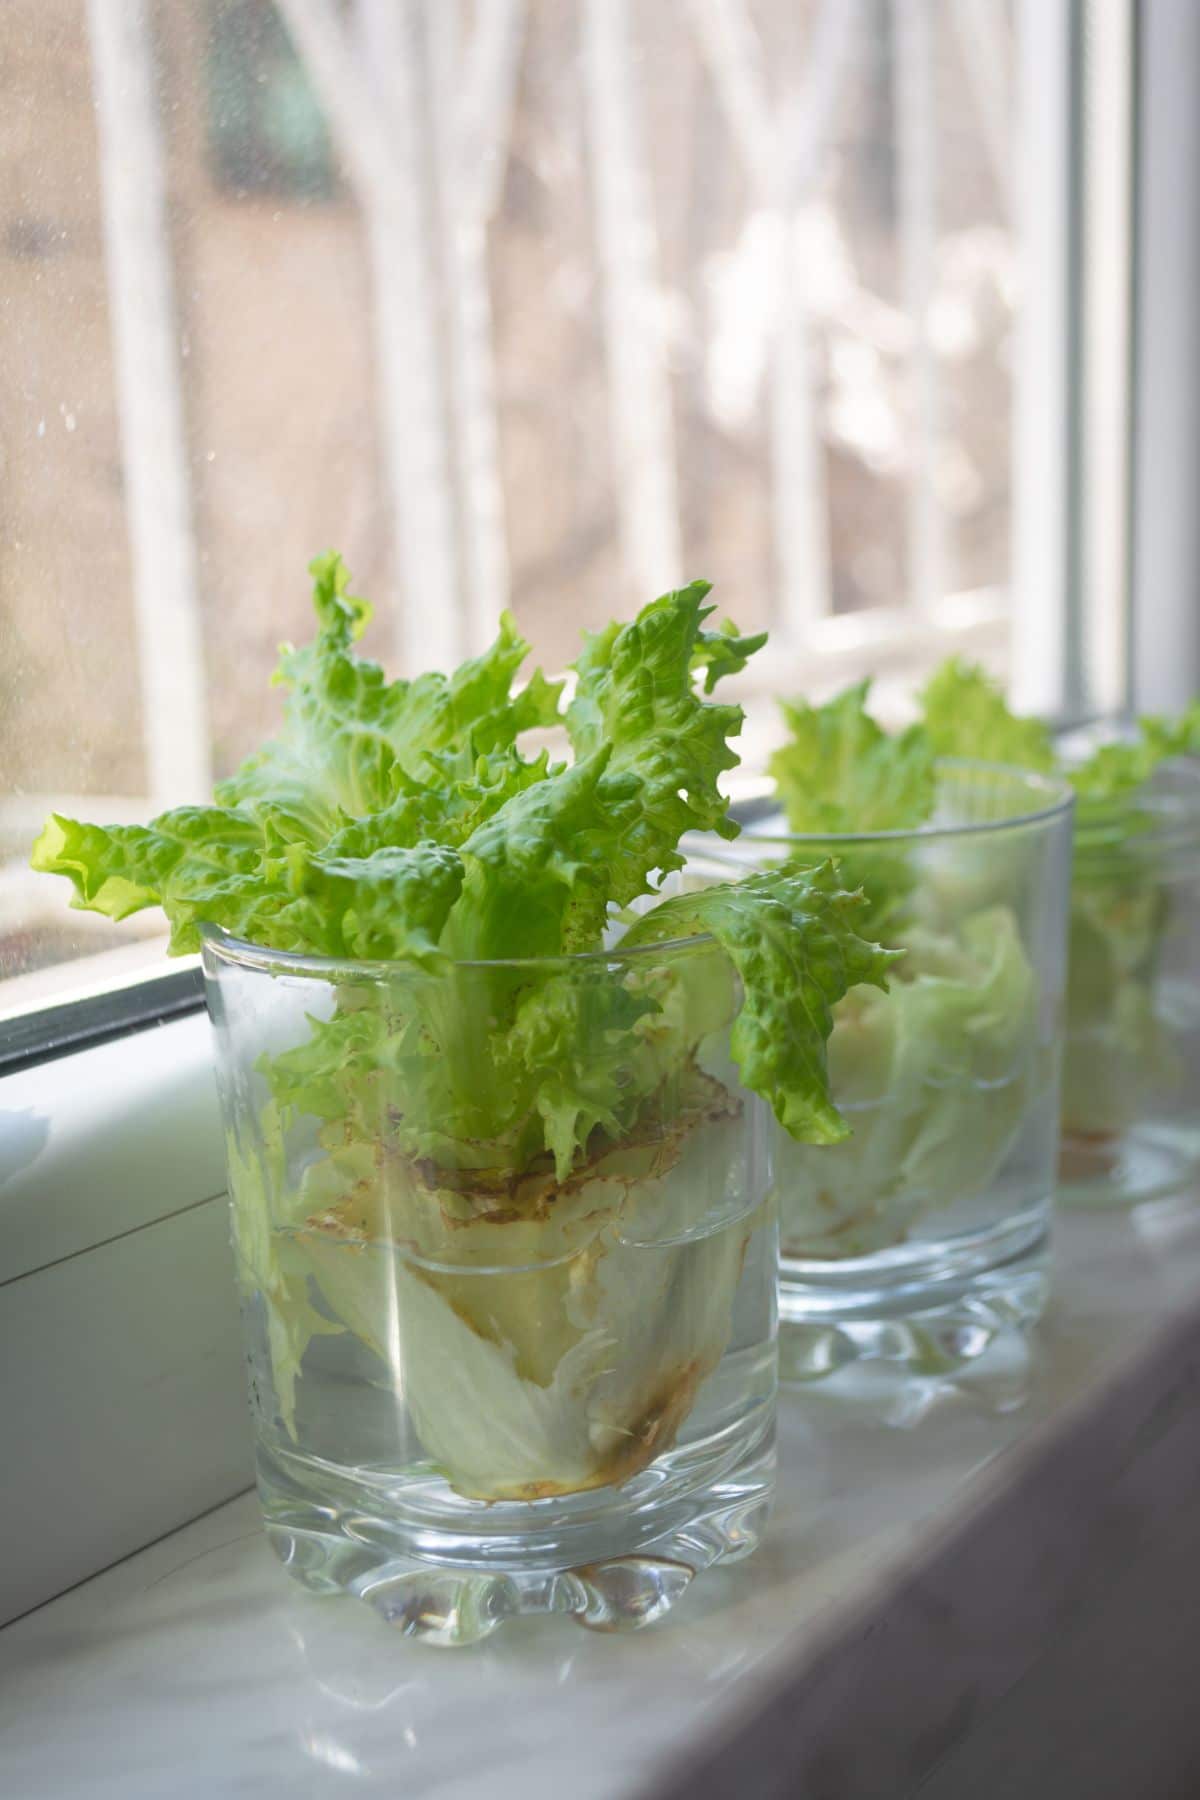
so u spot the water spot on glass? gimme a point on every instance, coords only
(31, 238)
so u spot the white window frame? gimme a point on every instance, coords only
(1165, 626)
(1106, 618)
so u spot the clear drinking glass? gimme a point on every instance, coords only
(482, 1385)
(924, 1233)
(1131, 1067)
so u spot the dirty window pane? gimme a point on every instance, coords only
(541, 303)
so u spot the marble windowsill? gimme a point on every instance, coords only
(195, 1668)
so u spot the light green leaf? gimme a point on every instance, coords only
(352, 741)
(966, 715)
(841, 772)
(725, 651)
(790, 935)
(667, 747)
(1118, 769)
(243, 870)
(572, 1047)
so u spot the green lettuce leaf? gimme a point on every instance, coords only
(965, 714)
(790, 935)
(539, 870)
(841, 772)
(725, 651)
(251, 872)
(1116, 770)
(351, 740)
(339, 837)
(572, 1046)
(545, 869)
(667, 747)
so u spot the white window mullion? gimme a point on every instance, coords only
(410, 280)
(643, 433)
(1043, 372)
(916, 152)
(146, 337)
(1107, 388)
(1166, 552)
(473, 84)
(368, 93)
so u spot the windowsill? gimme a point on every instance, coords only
(106, 1140)
(84, 976)
(197, 1668)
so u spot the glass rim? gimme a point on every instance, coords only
(1183, 768)
(247, 955)
(1060, 799)
(1152, 819)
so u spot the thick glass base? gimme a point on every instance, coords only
(925, 1329)
(611, 1559)
(1147, 1162)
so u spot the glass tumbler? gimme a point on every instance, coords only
(485, 1379)
(1131, 1068)
(922, 1236)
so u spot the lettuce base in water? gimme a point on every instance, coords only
(1117, 1052)
(563, 1346)
(934, 1077)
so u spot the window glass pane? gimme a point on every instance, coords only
(546, 303)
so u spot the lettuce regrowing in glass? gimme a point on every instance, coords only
(488, 1085)
(936, 1073)
(1118, 1050)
